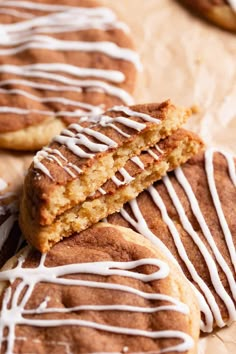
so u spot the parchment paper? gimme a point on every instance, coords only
(193, 63)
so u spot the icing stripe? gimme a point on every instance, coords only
(96, 84)
(34, 32)
(141, 226)
(45, 42)
(214, 275)
(13, 316)
(205, 229)
(3, 184)
(216, 200)
(15, 13)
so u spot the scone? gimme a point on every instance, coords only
(220, 12)
(137, 174)
(85, 155)
(9, 229)
(190, 215)
(58, 61)
(106, 290)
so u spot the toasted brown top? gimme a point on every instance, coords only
(185, 228)
(103, 243)
(62, 80)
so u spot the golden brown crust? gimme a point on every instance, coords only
(47, 197)
(106, 243)
(216, 11)
(194, 171)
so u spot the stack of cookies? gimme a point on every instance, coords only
(93, 167)
(129, 223)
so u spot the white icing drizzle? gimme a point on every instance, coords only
(232, 4)
(96, 18)
(205, 229)
(132, 113)
(136, 160)
(126, 178)
(33, 32)
(49, 7)
(40, 155)
(16, 13)
(79, 138)
(77, 135)
(49, 43)
(97, 85)
(13, 315)
(140, 224)
(216, 200)
(102, 191)
(42, 69)
(152, 153)
(211, 265)
(212, 309)
(3, 184)
(159, 149)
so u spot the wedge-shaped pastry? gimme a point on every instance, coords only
(190, 215)
(105, 290)
(137, 174)
(59, 61)
(85, 155)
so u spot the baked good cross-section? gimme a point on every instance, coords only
(190, 215)
(137, 174)
(104, 290)
(85, 155)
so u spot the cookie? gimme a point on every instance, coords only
(9, 229)
(137, 174)
(85, 155)
(220, 12)
(190, 215)
(104, 290)
(58, 62)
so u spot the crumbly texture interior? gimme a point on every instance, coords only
(63, 197)
(104, 242)
(89, 212)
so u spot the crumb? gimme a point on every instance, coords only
(195, 109)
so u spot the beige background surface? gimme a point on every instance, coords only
(191, 62)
